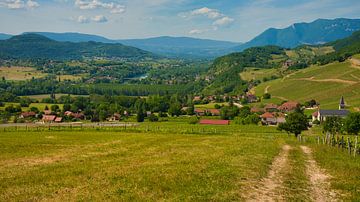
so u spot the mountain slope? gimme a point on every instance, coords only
(33, 46)
(318, 32)
(5, 36)
(182, 46)
(168, 46)
(73, 37)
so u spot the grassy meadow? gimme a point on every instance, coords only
(20, 73)
(168, 161)
(103, 165)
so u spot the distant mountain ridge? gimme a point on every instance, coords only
(164, 45)
(317, 32)
(35, 46)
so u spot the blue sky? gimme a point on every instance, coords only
(231, 20)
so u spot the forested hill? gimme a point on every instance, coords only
(34, 46)
(225, 70)
(344, 48)
(318, 32)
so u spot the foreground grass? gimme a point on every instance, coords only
(344, 169)
(103, 165)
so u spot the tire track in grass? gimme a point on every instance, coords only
(319, 179)
(271, 187)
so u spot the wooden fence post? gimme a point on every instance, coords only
(318, 140)
(349, 145)
(355, 148)
(342, 142)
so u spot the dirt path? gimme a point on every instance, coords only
(319, 179)
(270, 187)
(266, 89)
(329, 80)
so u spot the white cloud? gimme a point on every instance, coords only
(223, 21)
(82, 19)
(205, 11)
(95, 4)
(99, 19)
(19, 4)
(196, 31)
(32, 4)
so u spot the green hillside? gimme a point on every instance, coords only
(33, 46)
(326, 84)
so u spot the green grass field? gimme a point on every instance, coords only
(258, 74)
(171, 161)
(326, 84)
(40, 106)
(20, 73)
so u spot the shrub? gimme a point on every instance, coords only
(153, 118)
(193, 120)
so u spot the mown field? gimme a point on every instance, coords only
(20, 73)
(326, 84)
(171, 161)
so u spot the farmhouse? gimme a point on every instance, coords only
(214, 122)
(214, 112)
(269, 118)
(58, 119)
(27, 115)
(271, 107)
(48, 118)
(199, 112)
(288, 106)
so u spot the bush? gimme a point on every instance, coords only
(316, 122)
(267, 96)
(153, 118)
(194, 120)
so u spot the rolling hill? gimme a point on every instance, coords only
(182, 46)
(34, 46)
(320, 31)
(165, 45)
(326, 84)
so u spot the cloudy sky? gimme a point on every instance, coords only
(232, 20)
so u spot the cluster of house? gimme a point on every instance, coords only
(249, 97)
(49, 117)
(273, 114)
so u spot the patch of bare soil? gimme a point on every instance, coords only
(269, 189)
(319, 179)
(267, 89)
(355, 63)
(329, 80)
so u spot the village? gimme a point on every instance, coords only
(208, 109)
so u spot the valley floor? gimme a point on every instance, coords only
(172, 162)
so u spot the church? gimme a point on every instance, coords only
(321, 114)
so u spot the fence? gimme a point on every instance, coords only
(350, 144)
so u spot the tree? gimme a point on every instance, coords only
(296, 122)
(267, 96)
(175, 109)
(229, 113)
(55, 108)
(352, 123)
(333, 125)
(140, 116)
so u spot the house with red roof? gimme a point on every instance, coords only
(289, 106)
(214, 112)
(48, 118)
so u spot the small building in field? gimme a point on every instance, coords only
(272, 118)
(58, 119)
(197, 98)
(268, 118)
(342, 104)
(214, 122)
(289, 106)
(25, 115)
(47, 112)
(48, 118)
(271, 107)
(199, 112)
(68, 113)
(322, 114)
(214, 112)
